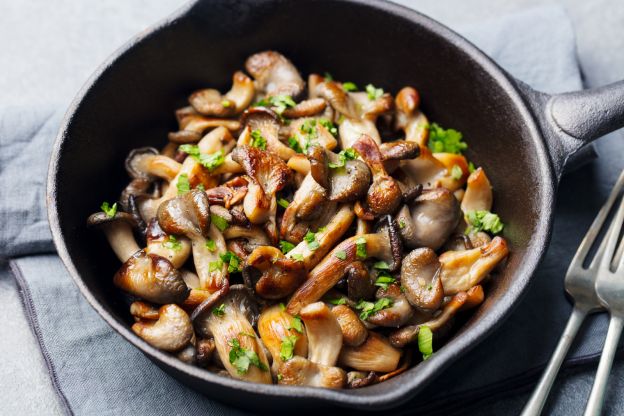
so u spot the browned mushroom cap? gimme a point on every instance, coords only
(384, 195)
(409, 334)
(375, 354)
(118, 231)
(342, 184)
(136, 162)
(360, 284)
(306, 108)
(276, 326)
(210, 102)
(228, 319)
(187, 214)
(230, 193)
(274, 74)
(354, 332)
(171, 332)
(399, 150)
(337, 97)
(302, 372)
(205, 351)
(420, 279)
(268, 175)
(432, 218)
(152, 278)
(175, 249)
(267, 123)
(399, 313)
(384, 245)
(280, 276)
(308, 203)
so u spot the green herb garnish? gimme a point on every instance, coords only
(215, 266)
(445, 141)
(337, 301)
(381, 265)
(283, 203)
(401, 224)
(109, 210)
(183, 184)
(297, 324)
(310, 238)
(294, 144)
(343, 156)
(425, 341)
(233, 261)
(369, 308)
(349, 86)
(341, 254)
(219, 310)
(288, 346)
(484, 221)
(241, 358)
(384, 280)
(211, 245)
(286, 246)
(331, 127)
(297, 257)
(373, 93)
(209, 161)
(172, 243)
(219, 222)
(360, 248)
(456, 172)
(471, 167)
(226, 103)
(257, 140)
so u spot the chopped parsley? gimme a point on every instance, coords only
(456, 172)
(282, 307)
(343, 156)
(257, 140)
(373, 93)
(211, 245)
(384, 280)
(337, 301)
(183, 184)
(401, 224)
(219, 222)
(283, 203)
(109, 210)
(286, 246)
(349, 86)
(341, 254)
(226, 103)
(381, 265)
(279, 103)
(210, 161)
(294, 144)
(310, 238)
(279, 377)
(233, 261)
(241, 358)
(471, 167)
(296, 324)
(484, 221)
(201, 187)
(360, 248)
(369, 308)
(172, 243)
(297, 257)
(215, 266)
(331, 127)
(219, 310)
(425, 341)
(288, 347)
(445, 140)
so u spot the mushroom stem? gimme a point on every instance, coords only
(324, 334)
(121, 239)
(171, 332)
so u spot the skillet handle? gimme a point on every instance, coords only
(571, 120)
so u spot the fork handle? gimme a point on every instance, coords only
(596, 398)
(536, 403)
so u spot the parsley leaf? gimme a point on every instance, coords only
(331, 127)
(183, 184)
(226, 103)
(296, 324)
(172, 243)
(219, 310)
(294, 144)
(369, 308)
(310, 238)
(381, 265)
(234, 262)
(110, 211)
(216, 265)
(349, 86)
(445, 141)
(484, 221)
(401, 224)
(341, 254)
(282, 102)
(456, 172)
(343, 156)
(360, 248)
(384, 280)
(209, 161)
(241, 358)
(297, 257)
(219, 222)
(288, 347)
(283, 203)
(425, 341)
(286, 246)
(373, 93)
(471, 167)
(211, 245)
(337, 301)
(257, 140)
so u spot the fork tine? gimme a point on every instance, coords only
(600, 252)
(594, 229)
(614, 236)
(618, 259)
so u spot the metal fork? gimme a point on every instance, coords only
(580, 284)
(610, 291)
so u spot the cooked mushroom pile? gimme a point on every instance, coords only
(302, 234)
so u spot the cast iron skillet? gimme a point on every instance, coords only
(523, 139)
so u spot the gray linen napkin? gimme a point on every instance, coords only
(96, 371)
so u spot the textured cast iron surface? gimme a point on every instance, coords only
(129, 103)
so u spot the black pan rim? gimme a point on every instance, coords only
(361, 398)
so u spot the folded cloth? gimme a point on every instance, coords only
(95, 371)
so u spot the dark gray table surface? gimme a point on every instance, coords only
(48, 49)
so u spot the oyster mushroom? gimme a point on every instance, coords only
(254, 236)
(360, 284)
(171, 332)
(306, 108)
(189, 215)
(228, 319)
(146, 163)
(267, 123)
(324, 334)
(230, 193)
(175, 249)
(280, 276)
(384, 245)
(193, 125)
(312, 131)
(152, 278)
(464, 269)
(299, 163)
(424, 170)
(478, 195)
(397, 314)
(420, 279)
(409, 119)
(274, 74)
(276, 328)
(118, 232)
(210, 102)
(326, 238)
(453, 161)
(302, 372)
(384, 195)
(399, 150)
(354, 333)
(375, 354)
(342, 184)
(430, 220)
